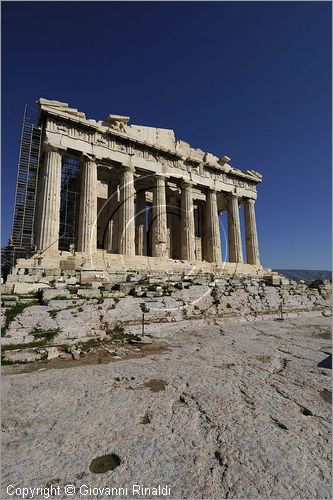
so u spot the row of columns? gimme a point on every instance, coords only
(125, 237)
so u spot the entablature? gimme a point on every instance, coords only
(70, 128)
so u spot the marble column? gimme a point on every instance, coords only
(213, 242)
(47, 230)
(201, 226)
(174, 224)
(159, 227)
(113, 218)
(126, 213)
(187, 223)
(141, 223)
(149, 232)
(87, 235)
(252, 247)
(234, 232)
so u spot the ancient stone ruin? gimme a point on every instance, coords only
(109, 196)
(117, 232)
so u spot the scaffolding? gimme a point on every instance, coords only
(22, 238)
(69, 202)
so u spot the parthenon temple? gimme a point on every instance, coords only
(111, 194)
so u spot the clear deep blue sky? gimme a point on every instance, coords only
(251, 80)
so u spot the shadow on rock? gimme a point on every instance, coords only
(326, 363)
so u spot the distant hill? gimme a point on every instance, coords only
(304, 274)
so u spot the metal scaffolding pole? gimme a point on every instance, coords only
(22, 237)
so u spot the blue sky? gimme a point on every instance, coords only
(248, 79)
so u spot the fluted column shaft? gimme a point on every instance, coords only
(187, 223)
(126, 214)
(174, 224)
(113, 218)
(252, 247)
(159, 228)
(47, 236)
(213, 242)
(234, 232)
(87, 237)
(141, 224)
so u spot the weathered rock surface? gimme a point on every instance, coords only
(238, 410)
(94, 312)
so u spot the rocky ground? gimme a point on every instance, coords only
(224, 410)
(73, 314)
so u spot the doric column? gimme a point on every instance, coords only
(87, 235)
(112, 231)
(126, 214)
(252, 247)
(200, 252)
(159, 228)
(174, 225)
(47, 230)
(149, 238)
(234, 232)
(213, 242)
(187, 222)
(141, 224)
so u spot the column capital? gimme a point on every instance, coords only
(211, 190)
(48, 147)
(128, 168)
(160, 181)
(128, 164)
(234, 195)
(186, 183)
(88, 157)
(250, 201)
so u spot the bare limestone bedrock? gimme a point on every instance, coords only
(238, 410)
(125, 170)
(77, 314)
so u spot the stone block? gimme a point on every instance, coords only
(26, 300)
(54, 352)
(275, 280)
(23, 288)
(9, 298)
(12, 278)
(8, 303)
(27, 278)
(68, 265)
(7, 288)
(89, 293)
(154, 294)
(72, 281)
(284, 281)
(95, 284)
(23, 356)
(54, 293)
(219, 282)
(131, 278)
